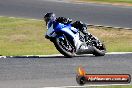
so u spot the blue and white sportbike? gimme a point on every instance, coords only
(70, 42)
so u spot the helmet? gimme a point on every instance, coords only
(49, 16)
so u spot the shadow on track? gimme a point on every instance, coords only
(55, 56)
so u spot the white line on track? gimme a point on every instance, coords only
(119, 53)
(84, 54)
(86, 86)
(110, 53)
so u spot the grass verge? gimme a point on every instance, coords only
(23, 37)
(111, 1)
(116, 40)
(114, 87)
(26, 37)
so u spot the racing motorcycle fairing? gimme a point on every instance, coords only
(58, 29)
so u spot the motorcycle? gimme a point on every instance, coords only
(70, 42)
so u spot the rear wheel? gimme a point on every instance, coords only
(99, 48)
(64, 47)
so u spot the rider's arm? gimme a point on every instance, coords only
(64, 20)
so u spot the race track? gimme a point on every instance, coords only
(57, 70)
(117, 16)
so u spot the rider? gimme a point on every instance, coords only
(52, 22)
(50, 18)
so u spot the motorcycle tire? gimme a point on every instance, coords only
(99, 52)
(62, 50)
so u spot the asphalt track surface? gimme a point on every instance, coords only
(57, 71)
(117, 16)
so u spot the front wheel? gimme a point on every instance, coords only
(64, 47)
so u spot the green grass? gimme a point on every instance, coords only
(116, 40)
(23, 37)
(110, 1)
(114, 87)
(26, 37)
